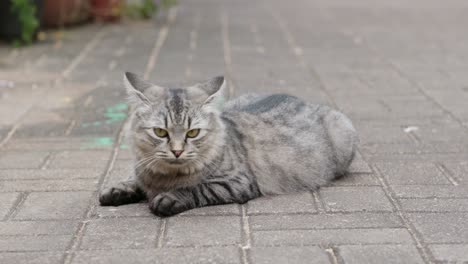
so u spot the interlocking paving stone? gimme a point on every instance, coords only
(37, 174)
(441, 228)
(31, 257)
(430, 191)
(289, 255)
(210, 230)
(49, 185)
(226, 255)
(226, 209)
(22, 160)
(412, 173)
(54, 205)
(130, 210)
(120, 233)
(450, 252)
(293, 203)
(332, 236)
(34, 243)
(357, 179)
(376, 253)
(6, 202)
(34, 228)
(324, 221)
(80, 159)
(351, 199)
(435, 205)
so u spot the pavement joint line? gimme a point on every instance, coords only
(227, 51)
(246, 235)
(319, 205)
(63, 75)
(422, 248)
(88, 48)
(447, 173)
(416, 84)
(17, 204)
(333, 255)
(162, 233)
(47, 161)
(298, 52)
(76, 240)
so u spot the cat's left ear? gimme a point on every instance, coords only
(217, 91)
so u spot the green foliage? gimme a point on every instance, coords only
(26, 14)
(147, 8)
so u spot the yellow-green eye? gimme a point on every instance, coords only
(160, 132)
(193, 133)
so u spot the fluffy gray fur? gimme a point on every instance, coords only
(247, 147)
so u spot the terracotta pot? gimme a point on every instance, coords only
(106, 10)
(65, 12)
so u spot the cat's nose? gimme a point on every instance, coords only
(177, 153)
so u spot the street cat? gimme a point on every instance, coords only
(194, 148)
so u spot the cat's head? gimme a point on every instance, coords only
(176, 128)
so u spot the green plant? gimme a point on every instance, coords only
(26, 13)
(147, 8)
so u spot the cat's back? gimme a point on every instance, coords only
(291, 144)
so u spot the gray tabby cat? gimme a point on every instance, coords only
(193, 149)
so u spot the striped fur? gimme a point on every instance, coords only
(247, 147)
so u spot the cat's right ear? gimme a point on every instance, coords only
(136, 86)
(138, 89)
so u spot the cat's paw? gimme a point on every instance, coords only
(119, 195)
(166, 204)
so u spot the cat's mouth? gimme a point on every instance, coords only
(176, 161)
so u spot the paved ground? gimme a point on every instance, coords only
(398, 68)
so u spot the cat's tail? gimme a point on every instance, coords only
(344, 139)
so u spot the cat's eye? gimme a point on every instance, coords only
(160, 132)
(193, 133)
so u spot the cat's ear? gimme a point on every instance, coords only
(141, 91)
(217, 92)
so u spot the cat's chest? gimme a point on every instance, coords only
(154, 182)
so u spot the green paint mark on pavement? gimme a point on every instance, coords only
(99, 142)
(113, 114)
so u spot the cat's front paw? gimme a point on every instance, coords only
(166, 204)
(119, 195)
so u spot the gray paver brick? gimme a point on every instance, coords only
(324, 221)
(227, 255)
(441, 228)
(31, 257)
(435, 205)
(6, 202)
(292, 203)
(120, 233)
(49, 185)
(293, 255)
(351, 199)
(376, 253)
(38, 174)
(412, 173)
(34, 243)
(332, 236)
(29, 228)
(22, 160)
(357, 179)
(80, 159)
(210, 230)
(450, 252)
(430, 191)
(54, 205)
